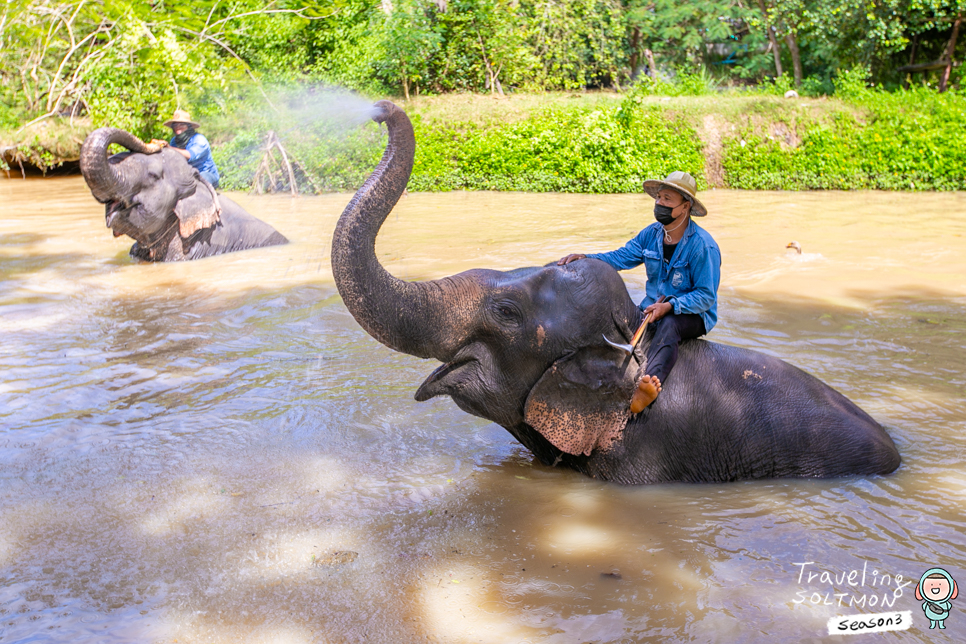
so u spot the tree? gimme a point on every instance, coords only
(411, 41)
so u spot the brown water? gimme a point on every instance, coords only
(215, 452)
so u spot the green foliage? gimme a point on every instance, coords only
(410, 43)
(683, 83)
(852, 84)
(578, 150)
(332, 159)
(894, 141)
(348, 47)
(604, 150)
(9, 117)
(679, 32)
(130, 64)
(137, 84)
(777, 85)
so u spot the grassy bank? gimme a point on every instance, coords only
(604, 142)
(45, 146)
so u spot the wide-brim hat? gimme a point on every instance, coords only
(180, 116)
(683, 183)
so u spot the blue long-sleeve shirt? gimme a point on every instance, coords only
(690, 280)
(200, 159)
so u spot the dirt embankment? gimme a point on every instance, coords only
(50, 147)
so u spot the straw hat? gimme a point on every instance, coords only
(683, 183)
(180, 116)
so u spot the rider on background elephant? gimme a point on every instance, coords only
(683, 265)
(526, 349)
(152, 195)
(192, 145)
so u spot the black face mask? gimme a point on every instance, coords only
(181, 140)
(663, 214)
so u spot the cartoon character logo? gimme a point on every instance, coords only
(936, 589)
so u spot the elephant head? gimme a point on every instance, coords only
(510, 342)
(150, 194)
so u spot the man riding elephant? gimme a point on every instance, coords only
(531, 349)
(154, 196)
(683, 271)
(192, 145)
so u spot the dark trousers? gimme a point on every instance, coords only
(669, 331)
(211, 178)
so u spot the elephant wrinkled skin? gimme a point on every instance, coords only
(153, 196)
(524, 349)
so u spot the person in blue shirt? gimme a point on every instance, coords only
(683, 265)
(193, 146)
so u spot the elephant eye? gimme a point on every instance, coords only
(507, 310)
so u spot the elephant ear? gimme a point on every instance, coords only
(582, 401)
(198, 210)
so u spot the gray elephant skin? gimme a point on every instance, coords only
(154, 196)
(524, 349)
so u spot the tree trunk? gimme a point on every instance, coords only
(950, 49)
(912, 60)
(796, 57)
(635, 54)
(772, 39)
(651, 67)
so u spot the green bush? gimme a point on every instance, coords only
(852, 84)
(684, 83)
(9, 118)
(907, 140)
(603, 150)
(577, 150)
(606, 150)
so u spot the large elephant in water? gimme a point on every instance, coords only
(525, 349)
(152, 195)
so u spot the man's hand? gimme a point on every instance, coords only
(159, 143)
(570, 258)
(658, 310)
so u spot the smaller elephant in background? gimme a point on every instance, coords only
(152, 195)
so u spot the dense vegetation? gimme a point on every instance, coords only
(608, 142)
(131, 63)
(70, 65)
(891, 141)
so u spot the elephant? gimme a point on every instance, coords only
(526, 349)
(152, 195)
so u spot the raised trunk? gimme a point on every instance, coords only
(405, 316)
(105, 182)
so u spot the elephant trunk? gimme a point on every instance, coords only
(105, 182)
(405, 316)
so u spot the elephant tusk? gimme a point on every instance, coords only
(627, 348)
(636, 339)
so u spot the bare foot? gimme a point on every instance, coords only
(647, 390)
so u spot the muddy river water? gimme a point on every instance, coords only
(216, 452)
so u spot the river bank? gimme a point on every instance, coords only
(587, 142)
